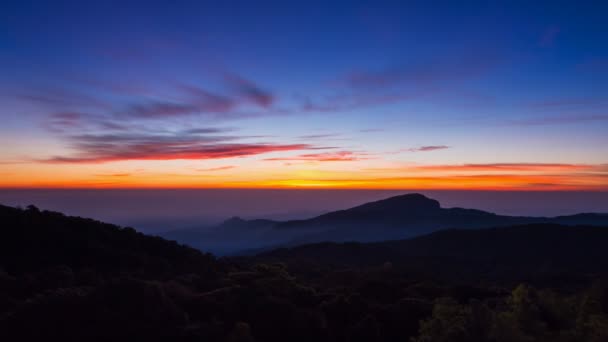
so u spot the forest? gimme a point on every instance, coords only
(73, 279)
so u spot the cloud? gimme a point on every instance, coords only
(114, 175)
(219, 168)
(566, 103)
(161, 109)
(429, 148)
(360, 99)
(593, 177)
(66, 122)
(233, 97)
(319, 136)
(561, 120)
(325, 157)
(196, 100)
(542, 167)
(100, 148)
(60, 122)
(250, 90)
(206, 101)
(60, 99)
(206, 130)
(456, 67)
(438, 75)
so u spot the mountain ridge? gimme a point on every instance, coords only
(392, 218)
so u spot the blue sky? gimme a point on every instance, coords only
(303, 92)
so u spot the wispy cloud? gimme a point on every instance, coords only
(319, 136)
(63, 122)
(94, 148)
(560, 120)
(457, 67)
(468, 182)
(161, 109)
(250, 90)
(61, 99)
(568, 103)
(124, 174)
(429, 148)
(234, 96)
(219, 168)
(438, 76)
(509, 176)
(339, 156)
(502, 167)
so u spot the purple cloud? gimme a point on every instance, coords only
(453, 68)
(161, 109)
(560, 120)
(325, 157)
(250, 90)
(119, 147)
(319, 136)
(425, 148)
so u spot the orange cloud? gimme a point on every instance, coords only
(325, 157)
(219, 168)
(469, 182)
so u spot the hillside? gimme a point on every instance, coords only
(33, 240)
(75, 279)
(521, 252)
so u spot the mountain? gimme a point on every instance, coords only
(74, 279)
(234, 234)
(422, 214)
(517, 251)
(393, 218)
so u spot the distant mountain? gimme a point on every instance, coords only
(519, 251)
(422, 214)
(393, 218)
(231, 235)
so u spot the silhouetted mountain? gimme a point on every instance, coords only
(33, 239)
(232, 235)
(393, 218)
(238, 223)
(74, 279)
(420, 214)
(528, 250)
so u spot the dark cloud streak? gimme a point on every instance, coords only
(100, 148)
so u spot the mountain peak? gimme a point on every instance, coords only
(232, 221)
(407, 202)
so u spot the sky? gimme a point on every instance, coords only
(431, 95)
(158, 210)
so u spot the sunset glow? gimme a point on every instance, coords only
(180, 98)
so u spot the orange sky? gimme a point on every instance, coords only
(336, 174)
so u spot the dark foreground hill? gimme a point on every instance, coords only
(73, 279)
(397, 217)
(527, 251)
